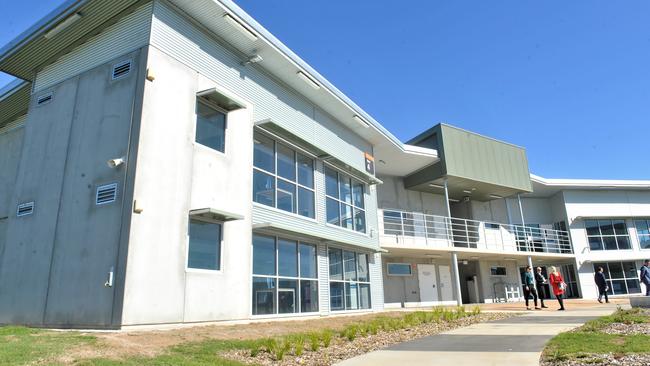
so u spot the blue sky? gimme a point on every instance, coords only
(568, 80)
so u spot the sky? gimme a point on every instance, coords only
(567, 80)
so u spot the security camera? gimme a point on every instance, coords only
(114, 163)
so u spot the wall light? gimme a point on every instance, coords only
(308, 80)
(495, 196)
(240, 27)
(63, 25)
(436, 186)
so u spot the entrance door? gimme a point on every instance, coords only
(446, 288)
(427, 280)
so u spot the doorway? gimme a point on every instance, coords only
(469, 282)
(427, 280)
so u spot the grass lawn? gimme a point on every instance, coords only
(589, 339)
(20, 346)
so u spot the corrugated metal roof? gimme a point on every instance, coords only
(14, 101)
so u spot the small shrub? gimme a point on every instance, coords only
(314, 342)
(299, 344)
(373, 327)
(476, 310)
(282, 349)
(351, 331)
(270, 345)
(326, 337)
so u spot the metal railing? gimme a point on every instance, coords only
(419, 228)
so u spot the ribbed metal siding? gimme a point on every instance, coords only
(323, 276)
(17, 123)
(377, 282)
(175, 35)
(128, 34)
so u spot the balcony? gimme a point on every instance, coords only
(412, 228)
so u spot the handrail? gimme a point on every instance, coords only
(459, 232)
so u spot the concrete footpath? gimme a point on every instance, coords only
(516, 341)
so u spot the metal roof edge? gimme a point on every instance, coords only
(590, 183)
(12, 87)
(61, 12)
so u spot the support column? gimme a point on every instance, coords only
(530, 263)
(455, 274)
(450, 225)
(523, 222)
(447, 199)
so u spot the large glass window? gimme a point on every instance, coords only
(349, 280)
(622, 277)
(283, 177)
(210, 126)
(344, 204)
(643, 233)
(204, 250)
(285, 276)
(607, 234)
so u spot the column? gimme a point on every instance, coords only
(456, 277)
(530, 263)
(523, 222)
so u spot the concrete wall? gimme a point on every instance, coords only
(393, 195)
(53, 269)
(11, 144)
(406, 289)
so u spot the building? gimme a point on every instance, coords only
(171, 161)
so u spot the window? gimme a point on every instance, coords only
(205, 245)
(643, 232)
(210, 126)
(607, 234)
(622, 277)
(344, 201)
(285, 276)
(398, 269)
(497, 271)
(349, 280)
(282, 177)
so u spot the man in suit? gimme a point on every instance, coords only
(540, 280)
(644, 276)
(601, 282)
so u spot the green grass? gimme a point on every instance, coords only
(588, 339)
(20, 345)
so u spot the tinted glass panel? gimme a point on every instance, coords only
(595, 243)
(336, 264)
(263, 295)
(305, 171)
(644, 241)
(287, 296)
(336, 296)
(333, 215)
(623, 242)
(350, 265)
(263, 255)
(286, 162)
(308, 261)
(306, 203)
(633, 286)
(616, 270)
(308, 296)
(642, 227)
(351, 296)
(630, 270)
(346, 216)
(362, 268)
(606, 227)
(357, 194)
(399, 269)
(205, 245)
(286, 196)
(263, 188)
(592, 227)
(359, 220)
(210, 127)
(610, 243)
(364, 296)
(331, 182)
(263, 155)
(287, 258)
(346, 190)
(619, 227)
(618, 286)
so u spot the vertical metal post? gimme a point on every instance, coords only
(530, 263)
(456, 277)
(450, 231)
(523, 222)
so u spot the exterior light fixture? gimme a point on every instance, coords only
(253, 60)
(361, 121)
(240, 27)
(432, 185)
(453, 200)
(495, 196)
(467, 191)
(308, 80)
(63, 25)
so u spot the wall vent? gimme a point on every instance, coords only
(25, 209)
(44, 99)
(106, 194)
(121, 69)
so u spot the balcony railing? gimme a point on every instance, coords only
(440, 231)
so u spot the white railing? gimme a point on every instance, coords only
(418, 228)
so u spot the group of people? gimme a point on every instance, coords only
(534, 285)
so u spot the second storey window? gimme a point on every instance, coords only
(345, 203)
(210, 126)
(606, 234)
(643, 231)
(282, 177)
(204, 250)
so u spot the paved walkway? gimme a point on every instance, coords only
(517, 341)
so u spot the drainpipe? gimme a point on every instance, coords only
(456, 277)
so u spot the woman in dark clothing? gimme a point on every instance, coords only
(599, 277)
(529, 287)
(557, 282)
(540, 281)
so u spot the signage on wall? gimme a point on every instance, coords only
(370, 163)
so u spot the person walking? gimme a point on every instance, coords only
(529, 287)
(644, 276)
(557, 282)
(599, 278)
(540, 281)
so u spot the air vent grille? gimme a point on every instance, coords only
(45, 98)
(121, 69)
(25, 209)
(106, 194)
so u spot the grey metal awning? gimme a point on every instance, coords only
(214, 214)
(222, 99)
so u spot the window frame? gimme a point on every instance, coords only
(345, 281)
(493, 274)
(609, 279)
(207, 103)
(277, 277)
(221, 246)
(602, 236)
(341, 203)
(276, 177)
(638, 236)
(388, 264)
